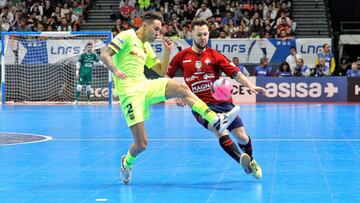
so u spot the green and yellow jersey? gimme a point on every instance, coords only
(131, 55)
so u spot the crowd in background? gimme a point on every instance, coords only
(43, 15)
(237, 19)
(227, 19)
(294, 65)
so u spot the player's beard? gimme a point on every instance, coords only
(199, 46)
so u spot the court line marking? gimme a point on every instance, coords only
(330, 191)
(47, 138)
(186, 139)
(101, 200)
(170, 108)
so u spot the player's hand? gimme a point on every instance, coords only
(180, 102)
(120, 74)
(257, 89)
(167, 43)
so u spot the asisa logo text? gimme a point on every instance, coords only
(300, 90)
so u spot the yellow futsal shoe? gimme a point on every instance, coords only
(256, 169)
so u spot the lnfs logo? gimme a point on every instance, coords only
(231, 48)
(310, 49)
(63, 50)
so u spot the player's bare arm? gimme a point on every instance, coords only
(106, 56)
(161, 68)
(241, 78)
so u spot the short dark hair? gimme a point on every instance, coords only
(263, 59)
(198, 22)
(88, 44)
(151, 16)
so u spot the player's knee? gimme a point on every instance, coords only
(88, 88)
(240, 133)
(183, 90)
(142, 145)
(78, 87)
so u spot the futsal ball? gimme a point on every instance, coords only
(221, 89)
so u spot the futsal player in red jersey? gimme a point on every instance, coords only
(200, 67)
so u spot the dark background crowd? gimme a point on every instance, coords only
(44, 15)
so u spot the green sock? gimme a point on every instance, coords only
(78, 95)
(129, 160)
(88, 95)
(201, 108)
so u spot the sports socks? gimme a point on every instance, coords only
(201, 108)
(247, 148)
(88, 95)
(230, 147)
(129, 160)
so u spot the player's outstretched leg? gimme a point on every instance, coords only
(139, 145)
(220, 121)
(245, 145)
(229, 146)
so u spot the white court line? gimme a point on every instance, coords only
(247, 108)
(174, 108)
(47, 138)
(186, 139)
(282, 107)
(101, 199)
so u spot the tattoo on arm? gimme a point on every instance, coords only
(106, 57)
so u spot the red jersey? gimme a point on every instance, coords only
(126, 10)
(200, 70)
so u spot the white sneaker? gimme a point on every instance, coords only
(125, 173)
(225, 119)
(245, 161)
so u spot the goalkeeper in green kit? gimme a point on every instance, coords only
(85, 65)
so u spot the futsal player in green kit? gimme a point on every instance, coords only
(85, 65)
(125, 56)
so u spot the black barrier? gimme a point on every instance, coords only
(354, 89)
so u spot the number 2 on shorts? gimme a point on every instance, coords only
(129, 109)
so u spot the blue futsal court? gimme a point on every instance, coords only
(308, 153)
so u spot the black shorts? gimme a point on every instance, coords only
(220, 108)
